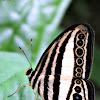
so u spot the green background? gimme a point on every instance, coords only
(41, 20)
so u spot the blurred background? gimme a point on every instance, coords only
(41, 20)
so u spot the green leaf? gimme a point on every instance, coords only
(10, 63)
(12, 74)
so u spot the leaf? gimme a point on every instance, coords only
(10, 63)
(12, 75)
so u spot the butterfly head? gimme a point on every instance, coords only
(28, 71)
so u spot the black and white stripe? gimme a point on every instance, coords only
(54, 75)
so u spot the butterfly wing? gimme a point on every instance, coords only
(70, 55)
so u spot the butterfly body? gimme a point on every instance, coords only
(64, 68)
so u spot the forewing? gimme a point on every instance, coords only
(70, 50)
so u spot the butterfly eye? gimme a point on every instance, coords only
(79, 52)
(76, 96)
(28, 71)
(77, 89)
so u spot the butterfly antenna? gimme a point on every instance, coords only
(31, 53)
(25, 55)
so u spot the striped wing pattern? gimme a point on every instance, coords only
(64, 68)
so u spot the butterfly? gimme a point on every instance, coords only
(65, 67)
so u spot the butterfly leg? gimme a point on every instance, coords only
(35, 94)
(18, 89)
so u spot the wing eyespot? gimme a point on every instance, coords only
(80, 26)
(81, 36)
(79, 51)
(78, 75)
(80, 43)
(79, 61)
(77, 81)
(77, 89)
(78, 70)
(76, 96)
(84, 30)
